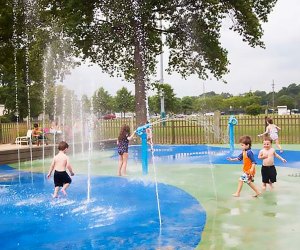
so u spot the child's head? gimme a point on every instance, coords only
(62, 146)
(245, 142)
(125, 128)
(125, 131)
(269, 121)
(267, 143)
(35, 125)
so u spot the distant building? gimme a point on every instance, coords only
(282, 110)
(2, 109)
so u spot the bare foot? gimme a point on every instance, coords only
(256, 195)
(54, 196)
(281, 151)
(64, 192)
(236, 195)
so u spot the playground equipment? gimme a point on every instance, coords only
(231, 123)
(141, 132)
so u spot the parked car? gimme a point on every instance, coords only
(179, 116)
(209, 114)
(109, 116)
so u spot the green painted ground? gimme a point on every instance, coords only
(268, 222)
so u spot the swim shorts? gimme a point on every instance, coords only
(61, 178)
(247, 178)
(268, 174)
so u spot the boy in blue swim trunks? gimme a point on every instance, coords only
(60, 164)
(249, 165)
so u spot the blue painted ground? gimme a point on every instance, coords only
(121, 214)
(203, 154)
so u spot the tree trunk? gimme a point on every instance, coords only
(139, 81)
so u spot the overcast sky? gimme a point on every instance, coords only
(250, 68)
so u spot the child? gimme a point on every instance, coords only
(248, 166)
(268, 170)
(38, 134)
(272, 131)
(60, 164)
(149, 135)
(123, 142)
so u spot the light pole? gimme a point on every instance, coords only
(162, 107)
(162, 98)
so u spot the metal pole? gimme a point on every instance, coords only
(162, 98)
(273, 97)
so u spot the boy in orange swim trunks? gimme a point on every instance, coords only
(249, 165)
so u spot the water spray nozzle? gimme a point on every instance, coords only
(142, 129)
(232, 120)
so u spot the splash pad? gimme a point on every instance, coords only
(122, 212)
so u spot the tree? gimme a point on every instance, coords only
(33, 55)
(169, 96)
(154, 104)
(286, 100)
(86, 104)
(253, 109)
(263, 97)
(124, 101)
(187, 105)
(124, 37)
(292, 90)
(102, 102)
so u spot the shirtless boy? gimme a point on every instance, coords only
(60, 164)
(268, 170)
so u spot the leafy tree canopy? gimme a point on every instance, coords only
(124, 37)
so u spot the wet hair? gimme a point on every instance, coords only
(124, 133)
(246, 139)
(269, 120)
(267, 138)
(62, 146)
(35, 125)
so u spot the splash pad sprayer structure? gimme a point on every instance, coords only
(141, 132)
(231, 123)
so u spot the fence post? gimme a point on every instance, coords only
(217, 129)
(172, 132)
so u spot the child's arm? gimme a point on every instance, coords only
(265, 133)
(51, 168)
(239, 158)
(278, 128)
(279, 157)
(233, 159)
(261, 155)
(252, 169)
(130, 137)
(69, 167)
